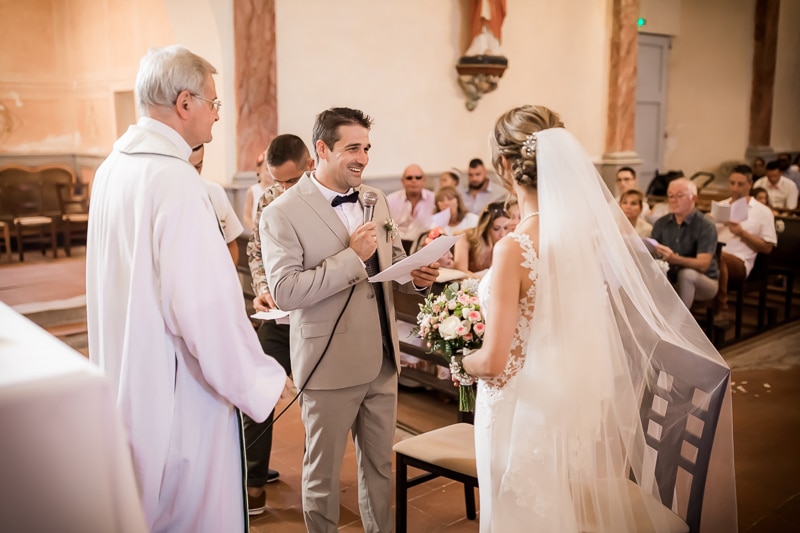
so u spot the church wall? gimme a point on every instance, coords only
(710, 73)
(711, 64)
(786, 105)
(63, 61)
(396, 61)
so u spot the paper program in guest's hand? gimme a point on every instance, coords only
(440, 219)
(734, 212)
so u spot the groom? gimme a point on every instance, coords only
(318, 254)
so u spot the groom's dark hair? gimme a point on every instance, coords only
(326, 125)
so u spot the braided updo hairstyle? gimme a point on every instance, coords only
(508, 140)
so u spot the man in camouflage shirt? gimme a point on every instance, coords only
(287, 160)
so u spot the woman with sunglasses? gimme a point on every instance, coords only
(473, 253)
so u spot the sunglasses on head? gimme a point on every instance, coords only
(409, 178)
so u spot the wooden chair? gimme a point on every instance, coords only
(679, 414)
(783, 259)
(74, 215)
(756, 282)
(6, 238)
(445, 452)
(683, 444)
(29, 223)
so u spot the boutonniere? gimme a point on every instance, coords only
(391, 229)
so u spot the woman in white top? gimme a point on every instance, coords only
(460, 218)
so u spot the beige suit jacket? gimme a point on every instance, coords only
(310, 269)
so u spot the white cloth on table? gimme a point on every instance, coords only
(66, 463)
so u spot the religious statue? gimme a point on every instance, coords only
(483, 63)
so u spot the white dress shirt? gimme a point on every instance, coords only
(760, 222)
(783, 195)
(351, 214)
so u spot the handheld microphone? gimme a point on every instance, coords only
(370, 199)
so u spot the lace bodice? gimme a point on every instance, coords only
(525, 305)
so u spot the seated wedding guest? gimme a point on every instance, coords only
(631, 202)
(759, 168)
(480, 189)
(744, 240)
(255, 192)
(473, 253)
(448, 198)
(449, 178)
(166, 320)
(626, 181)
(446, 260)
(512, 207)
(760, 195)
(687, 241)
(412, 206)
(226, 216)
(787, 169)
(287, 159)
(781, 190)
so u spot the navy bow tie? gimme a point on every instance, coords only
(345, 199)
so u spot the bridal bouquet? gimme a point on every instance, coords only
(451, 323)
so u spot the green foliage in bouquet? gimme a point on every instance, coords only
(452, 324)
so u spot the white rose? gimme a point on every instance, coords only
(449, 327)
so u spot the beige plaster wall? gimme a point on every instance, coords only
(396, 61)
(62, 62)
(786, 104)
(662, 17)
(708, 108)
(710, 72)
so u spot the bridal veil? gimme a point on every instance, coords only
(605, 315)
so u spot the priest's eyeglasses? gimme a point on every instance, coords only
(216, 105)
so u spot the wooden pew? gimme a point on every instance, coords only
(785, 257)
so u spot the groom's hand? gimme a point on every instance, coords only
(425, 276)
(364, 240)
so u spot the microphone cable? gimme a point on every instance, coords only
(299, 392)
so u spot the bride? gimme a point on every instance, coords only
(561, 374)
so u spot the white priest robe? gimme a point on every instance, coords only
(167, 323)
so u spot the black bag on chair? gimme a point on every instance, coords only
(658, 187)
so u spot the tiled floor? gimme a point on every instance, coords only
(765, 381)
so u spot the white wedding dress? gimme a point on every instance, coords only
(558, 434)
(494, 409)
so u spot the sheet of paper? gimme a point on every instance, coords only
(440, 219)
(650, 243)
(272, 314)
(449, 274)
(401, 272)
(733, 212)
(739, 210)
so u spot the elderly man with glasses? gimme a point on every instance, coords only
(687, 241)
(165, 315)
(412, 206)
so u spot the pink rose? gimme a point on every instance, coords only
(479, 328)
